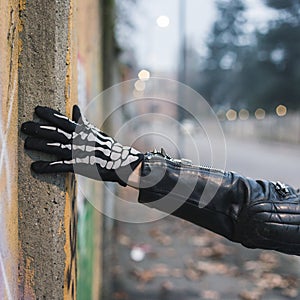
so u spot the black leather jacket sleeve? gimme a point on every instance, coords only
(255, 213)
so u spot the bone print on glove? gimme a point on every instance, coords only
(79, 146)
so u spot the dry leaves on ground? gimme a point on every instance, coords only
(264, 276)
(160, 237)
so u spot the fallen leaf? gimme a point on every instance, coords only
(200, 241)
(167, 286)
(211, 295)
(271, 281)
(120, 296)
(161, 270)
(270, 260)
(178, 273)
(251, 295)
(216, 250)
(124, 240)
(212, 267)
(290, 292)
(192, 274)
(160, 237)
(144, 276)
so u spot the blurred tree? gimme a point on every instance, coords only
(277, 66)
(124, 27)
(271, 70)
(246, 70)
(278, 55)
(225, 55)
(288, 9)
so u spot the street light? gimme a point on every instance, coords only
(163, 21)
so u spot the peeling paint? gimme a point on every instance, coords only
(22, 5)
(29, 279)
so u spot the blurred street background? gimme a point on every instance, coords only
(181, 261)
(242, 56)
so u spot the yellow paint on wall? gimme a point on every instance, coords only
(70, 216)
(60, 228)
(29, 279)
(22, 5)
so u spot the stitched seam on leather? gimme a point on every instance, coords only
(272, 202)
(281, 223)
(276, 213)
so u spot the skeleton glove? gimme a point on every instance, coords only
(79, 146)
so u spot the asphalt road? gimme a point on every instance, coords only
(185, 262)
(264, 159)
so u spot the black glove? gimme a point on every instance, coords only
(79, 146)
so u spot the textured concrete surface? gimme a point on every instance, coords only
(47, 210)
(39, 59)
(9, 30)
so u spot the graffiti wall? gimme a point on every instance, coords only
(45, 49)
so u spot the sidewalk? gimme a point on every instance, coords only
(185, 262)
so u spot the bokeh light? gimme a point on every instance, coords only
(281, 110)
(260, 114)
(144, 75)
(231, 115)
(139, 85)
(163, 21)
(244, 114)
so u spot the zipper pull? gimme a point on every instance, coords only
(282, 189)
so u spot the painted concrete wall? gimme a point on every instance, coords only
(38, 59)
(46, 203)
(42, 43)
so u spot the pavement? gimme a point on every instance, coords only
(173, 259)
(183, 261)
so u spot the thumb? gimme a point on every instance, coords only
(76, 115)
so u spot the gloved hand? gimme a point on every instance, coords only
(79, 146)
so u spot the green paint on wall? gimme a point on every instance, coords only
(85, 252)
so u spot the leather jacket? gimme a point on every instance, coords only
(255, 213)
